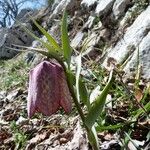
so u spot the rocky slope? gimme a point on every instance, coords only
(115, 28)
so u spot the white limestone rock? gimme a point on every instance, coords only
(144, 59)
(55, 4)
(2, 94)
(88, 3)
(132, 38)
(90, 42)
(104, 6)
(77, 39)
(60, 6)
(119, 7)
(128, 16)
(89, 22)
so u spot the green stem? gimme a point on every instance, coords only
(91, 136)
(92, 139)
(75, 99)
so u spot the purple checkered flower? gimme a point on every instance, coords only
(48, 89)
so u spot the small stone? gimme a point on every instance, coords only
(63, 140)
(11, 96)
(21, 120)
(2, 94)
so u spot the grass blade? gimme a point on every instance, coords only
(110, 127)
(140, 111)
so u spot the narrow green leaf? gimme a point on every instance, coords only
(83, 92)
(24, 49)
(84, 95)
(78, 75)
(50, 49)
(51, 40)
(65, 40)
(98, 104)
(140, 111)
(130, 139)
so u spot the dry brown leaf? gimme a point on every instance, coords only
(138, 94)
(79, 140)
(39, 137)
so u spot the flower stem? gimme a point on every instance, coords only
(91, 137)
(75, 98)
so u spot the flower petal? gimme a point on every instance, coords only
(65, 100)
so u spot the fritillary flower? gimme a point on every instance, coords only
(48, 89)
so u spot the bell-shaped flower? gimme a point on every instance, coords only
(48, 89)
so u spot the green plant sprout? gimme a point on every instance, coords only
(20, 137)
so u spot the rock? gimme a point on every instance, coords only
(55, 4)
(133, 37)
(97, 25)
(13, 94)
(3, 35)
(21, 121)
(128, 16)
(2, 94)
(103, 6)
(31, 56)
(144, 53)
(91, 41)
(77, 39)
(15, 36)
(25, 15)
(89, 23)
(88, 3)
(105, 34)
(59, 8)
(119, 7)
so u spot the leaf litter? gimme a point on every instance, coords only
(118, 126)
